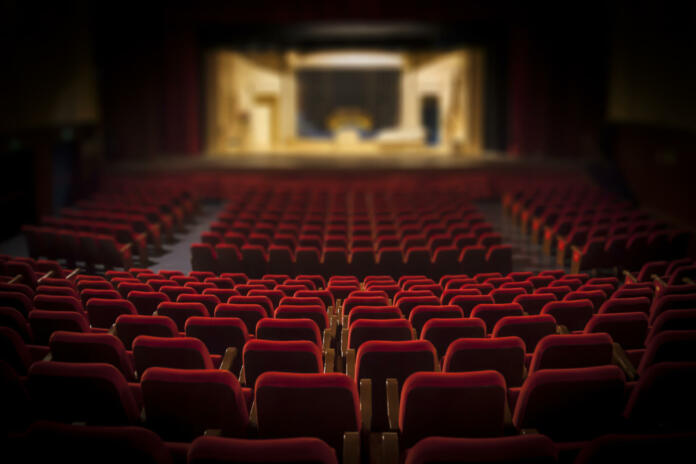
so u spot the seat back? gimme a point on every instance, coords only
(261, 356)
(174, 352)
(461, 404)
(203, 450)
(181, 404)
(364, 330)
(44, 323)
(504, 355)
(295, 405)
(288, 329)
(570, 351)
(91, 348)
(94, 393)
(531, 329)
(571, 404)
(129, 327)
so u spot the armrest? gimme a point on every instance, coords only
(45, 276)
(344, 320)
(575, 249)
(366, 404)
(254, 417)
(242, 376)
(390, 448)
(212, 433)
(393, 403)
(561, 329)
(658, 280)
(125, 247)
(620, 358)
(351, 448)
(688, 280)
(15, 279)
(350, 363)
(113, 331)
(326, 339)
(73, 273)
(344, 341)
(529, 432)
(228, 359)
(414, 334)
(329, 360)
(630, 277)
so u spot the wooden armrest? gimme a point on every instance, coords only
(562, 330)
(351, 448)
(125, 247)
(45, 276)
(75, 272)
(228, 359)
(576, 249)
(350, 363)
(366, 404)
(629, 276)
(327, 339)
(242, 376)
(344, 320)
(254, 417)
(212, 433)
(620, 358)
(688, 280)
(344, 342)
(529, 432)
(329, 360)
(393, 403)
(15, 279)
(113, 331)
(414, 334)
(658, 280)
(48, 357)
(390, 448)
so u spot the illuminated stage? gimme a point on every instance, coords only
(364, 103)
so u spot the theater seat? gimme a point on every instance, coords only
(128, 327)
(179, 312)
(505, 355)
(102, 313)
(571, 351)
(94, 393)
(296, 405)
(219, 334)
(608, 449)
(663, 399)
(44, 323)
(91, 348)
(299, 356)
(51, 441)
(205, 450)
(531, 329)
(461, 404)
(382, 360)
(442, 332)
(522, 449)
(181, 404)
(176, 353)
(571, 404)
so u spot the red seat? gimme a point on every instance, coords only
(219, 334)
(295, 405)
(571, 404)
(128, 327)
(531, 329)
(461, 404)
(44, 323)
(174, 352)
(522, 449)
(181, 404)
(505, 355)
(146, 302)
(236, 451)
(491, 313)
(381, 360)
(102, 313)
(91, 348)
(180, 312)
(571, 351)
(94, 393)
(299, 356)
(572, 314)
(421, 314)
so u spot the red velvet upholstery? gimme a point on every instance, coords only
(91, 348)
(180, 404)
(570, 351)
(205, 450)
(530, 329)
(174, 352)
(299, 356)
(505, 355)
(130, 327)
(364, 330)
(103, 312)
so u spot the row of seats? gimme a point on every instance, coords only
(255, 261)
(592, 229)
(79, 444)
(109, 228)
(569, 405)
(310, 231)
